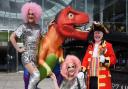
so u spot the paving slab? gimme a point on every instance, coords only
(15, 81)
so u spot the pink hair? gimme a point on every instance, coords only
(70, 59)
(37, 10)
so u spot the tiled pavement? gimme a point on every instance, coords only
(15, 81)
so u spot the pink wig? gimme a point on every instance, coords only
(70, 59)
(37, 10)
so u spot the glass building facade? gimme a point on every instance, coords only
(113, 13)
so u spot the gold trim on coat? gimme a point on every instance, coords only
(90, 52)
(102, 68)
(102, 76)
(102, 84)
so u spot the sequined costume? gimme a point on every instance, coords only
(31, 37)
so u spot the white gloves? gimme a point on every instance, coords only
(102, 58)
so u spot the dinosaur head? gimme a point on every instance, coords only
(69, 22)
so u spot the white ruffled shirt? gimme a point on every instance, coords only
(95, 51)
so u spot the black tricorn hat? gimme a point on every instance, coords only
(97, 26)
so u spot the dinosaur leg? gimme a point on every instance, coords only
(47, 66)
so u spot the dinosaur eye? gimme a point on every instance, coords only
(70, 15)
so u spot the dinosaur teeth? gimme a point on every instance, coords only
(88, 29)
(81, 28)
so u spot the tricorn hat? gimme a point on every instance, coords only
(97, 26)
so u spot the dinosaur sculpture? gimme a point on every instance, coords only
(65, 26)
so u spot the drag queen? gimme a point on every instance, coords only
(30, 32)
(72, 77)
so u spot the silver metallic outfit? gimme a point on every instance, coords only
(31, 36)
(73, 84)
